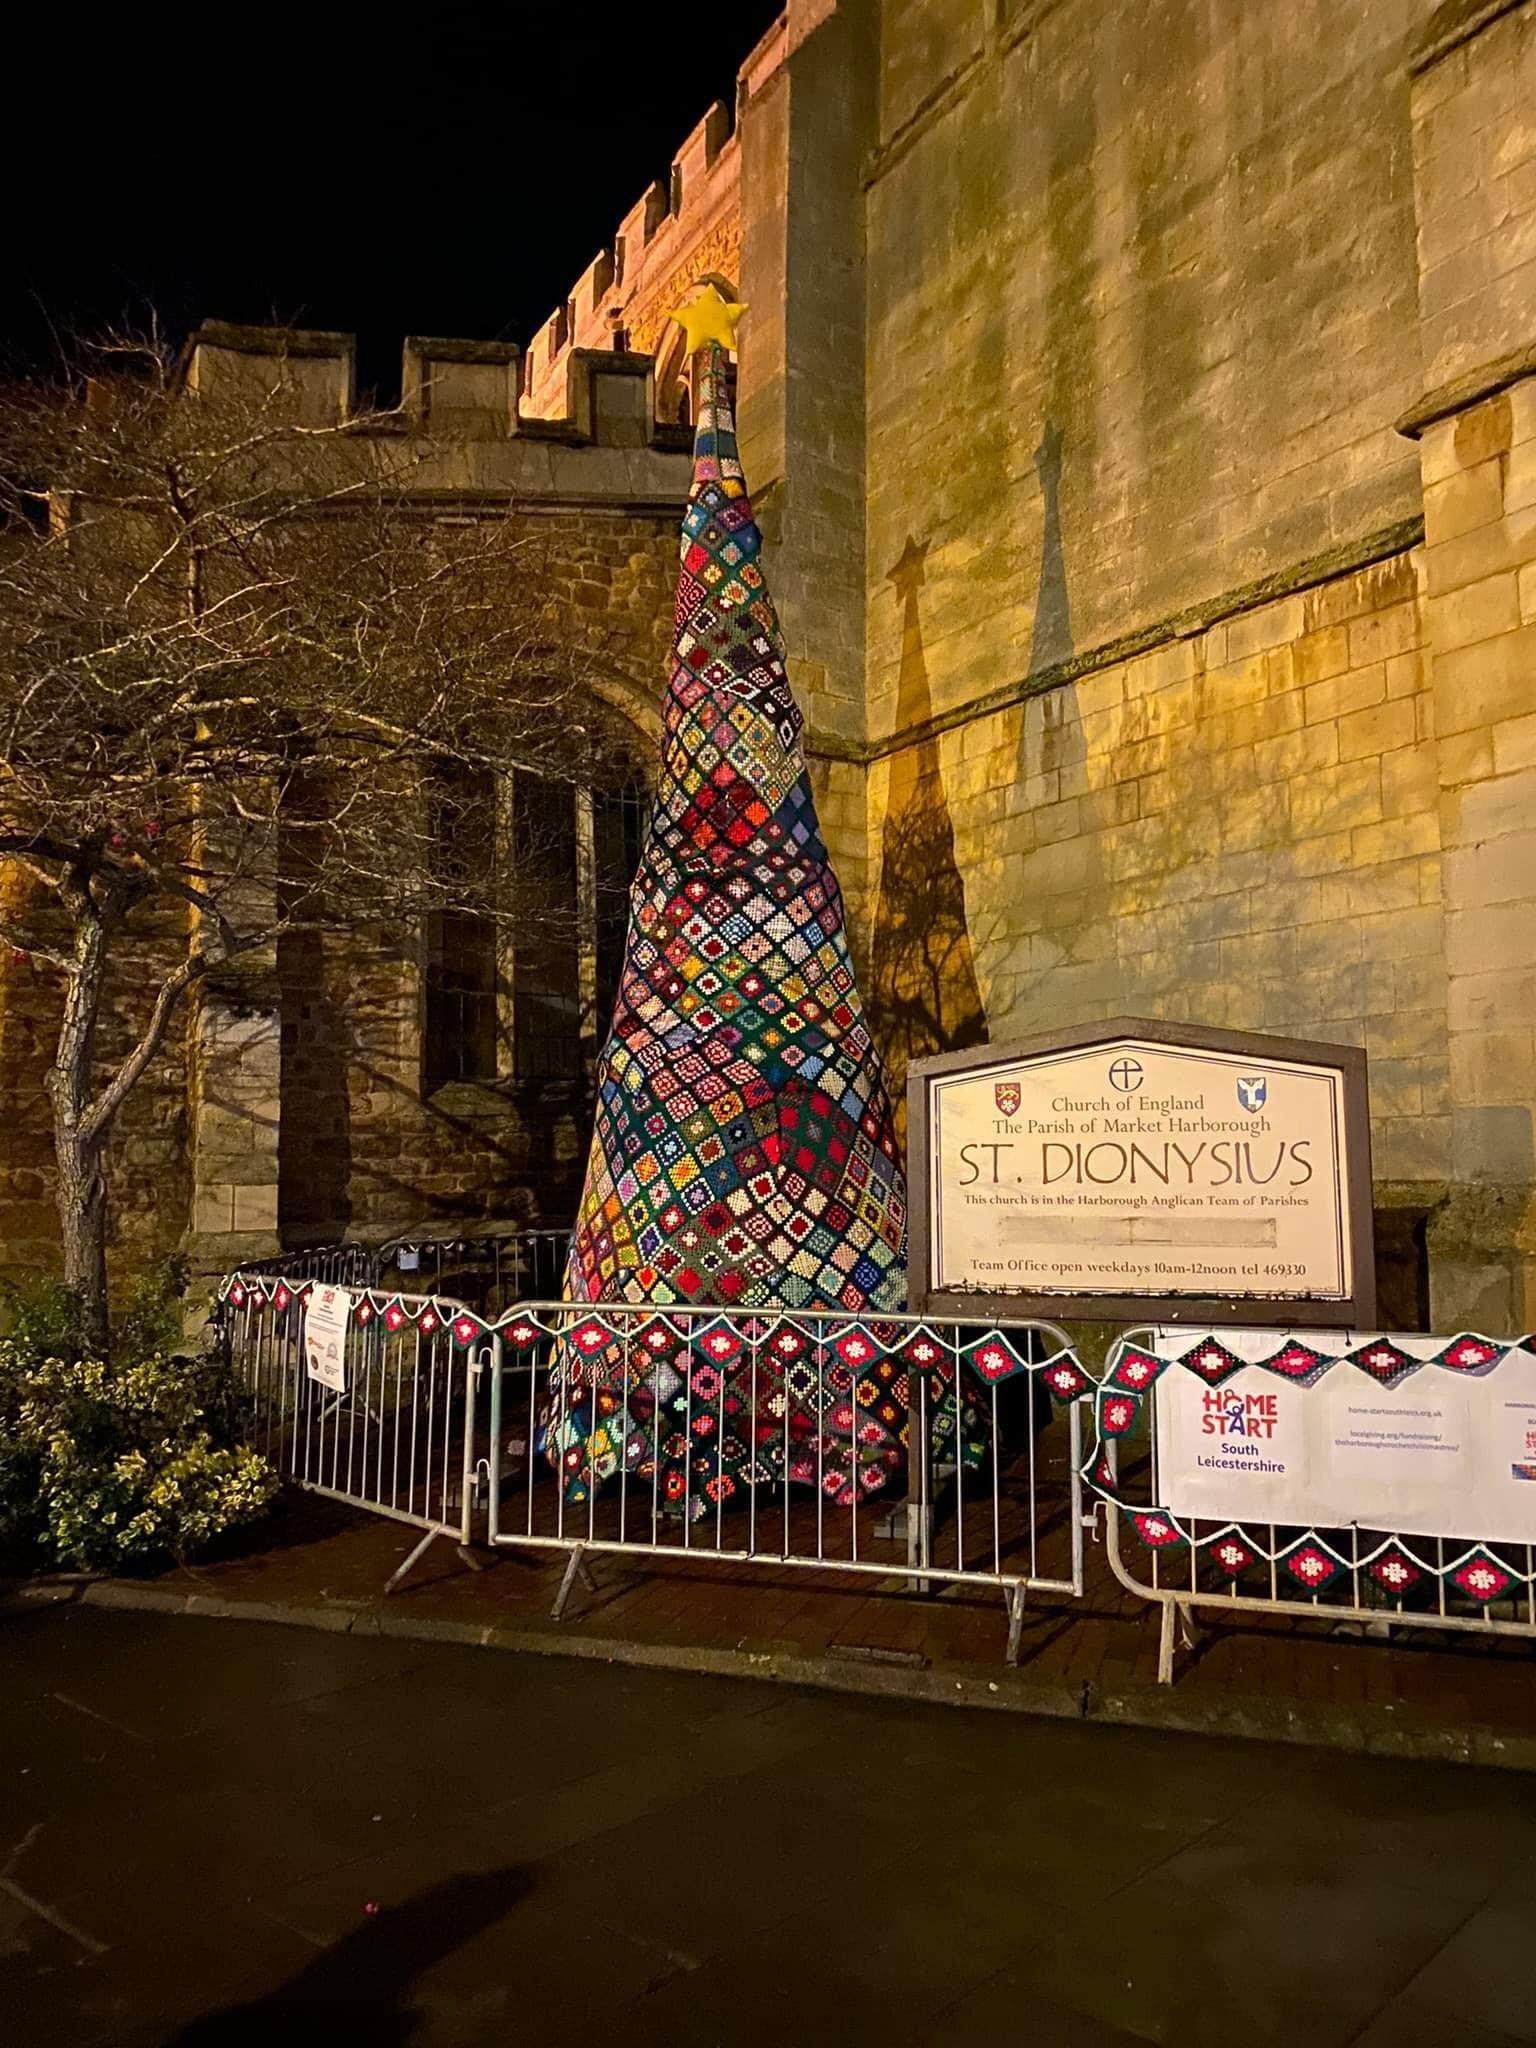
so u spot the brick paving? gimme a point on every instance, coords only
(1425, 1693)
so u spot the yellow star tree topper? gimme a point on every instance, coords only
(709, 317)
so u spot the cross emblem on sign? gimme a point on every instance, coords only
(1126, 1074)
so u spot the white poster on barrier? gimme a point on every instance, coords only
(1506, 1450)
(327, 1318)
(1441, 1453)
(1232, 1453)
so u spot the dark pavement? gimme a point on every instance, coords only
(213, 1833)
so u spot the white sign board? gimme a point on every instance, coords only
(327, 1318)
(1439, 1454)
(1137, 1168)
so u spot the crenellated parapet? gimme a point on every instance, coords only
(461, 415)
(680, 231)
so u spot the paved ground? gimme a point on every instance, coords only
(1427, 1694)
(213, 1833)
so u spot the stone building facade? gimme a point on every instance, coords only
(339, 1089)
(1150, 397)
(1140, 405)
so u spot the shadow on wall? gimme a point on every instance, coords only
(924, 995)
(314, 1151)
(1051, 639)
(1052, 938)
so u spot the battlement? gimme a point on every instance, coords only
(680, 230)
(451, 390)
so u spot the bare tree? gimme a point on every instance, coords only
(236, 658)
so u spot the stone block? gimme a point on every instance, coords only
(1328, 803)
(1322, 654)
(1340, 695)
(1490, 937)
(1395, 840)
(1519, 477)
(1475, 558)
(1405, 1034)
(1380, 635)
(1493, 1067)
(1401, 934)
(1488, 810)
(1464, 757)
(1302, 752)
(1407, 674)
(1501, 870)
(1391, 887)
(213, 1209)
(1409, 780)
(254, 1209)
(1487, 682)
(1474, 612)
(1377, 729)
(1416, 1148)
(1395, 1088)
(1270, 626)
(1322, 949)
(1513, 745)
(1494, 1142)
(1468, 499)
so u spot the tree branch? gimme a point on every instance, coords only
(109, 1100)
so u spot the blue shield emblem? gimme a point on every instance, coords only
(1252, 1091)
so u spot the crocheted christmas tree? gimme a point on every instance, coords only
(743, 1153)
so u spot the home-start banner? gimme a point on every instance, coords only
(1439, 1452)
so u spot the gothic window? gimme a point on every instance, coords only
(459, 1021)
(519, 996)
(546, 952)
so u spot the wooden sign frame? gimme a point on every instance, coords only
(1356, 1311)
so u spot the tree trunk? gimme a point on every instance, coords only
(82, 1195)
(83, 1224)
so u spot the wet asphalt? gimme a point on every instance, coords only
(220, 1833)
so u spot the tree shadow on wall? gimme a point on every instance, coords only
(358, 1989)
(1051, 746)
(924, 995)
(1051, 636)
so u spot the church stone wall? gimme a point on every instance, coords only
(1141, 288)
(1237, 827)
(1196, 688)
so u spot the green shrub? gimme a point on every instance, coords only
(112, 1463)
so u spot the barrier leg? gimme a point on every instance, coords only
(1165, 1646)
(420, 1551)
(575, 1567)
(1177, 1617)
(919, 1541)
(1013, 1598)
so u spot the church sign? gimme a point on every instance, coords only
(1136, 1169)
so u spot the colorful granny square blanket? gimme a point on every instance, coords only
(743, 1155)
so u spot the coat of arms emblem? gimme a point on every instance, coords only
(1007, 1095)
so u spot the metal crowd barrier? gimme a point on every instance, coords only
(1374, 1580)
(491, 1270)
(399, 1437)
(908, 1450)
(895, 1447)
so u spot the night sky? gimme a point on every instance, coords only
(456, 184)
